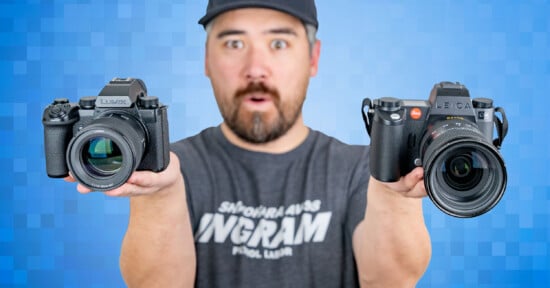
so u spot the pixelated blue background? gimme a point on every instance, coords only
(51, 236)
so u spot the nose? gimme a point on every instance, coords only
(257, 66)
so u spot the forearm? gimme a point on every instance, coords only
(395, 246)
(158, 248)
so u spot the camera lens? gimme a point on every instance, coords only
(462, 171)
(464, 174)
(103, 155)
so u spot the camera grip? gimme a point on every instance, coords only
(386, 150)
(56, 138)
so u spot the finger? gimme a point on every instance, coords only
(80, 188)
(147, 182)
(126, 190)
(148, 179)
(118, 192)
(413, 178)
(407, 182)
(418, 191)
(142, 178)
(139, 183)
(83, 189)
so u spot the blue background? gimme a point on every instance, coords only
(51, 236)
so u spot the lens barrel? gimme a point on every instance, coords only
(464, 174)
(103, 155)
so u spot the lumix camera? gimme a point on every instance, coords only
(451, 137)
(102, 139)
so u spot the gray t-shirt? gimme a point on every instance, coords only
(274, 220)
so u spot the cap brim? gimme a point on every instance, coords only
(212, 13)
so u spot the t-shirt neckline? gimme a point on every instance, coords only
(264, 156)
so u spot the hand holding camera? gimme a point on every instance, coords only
(451, 137)
(103, 139)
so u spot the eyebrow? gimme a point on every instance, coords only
(225, 33)
(288, 31)
(229, 32)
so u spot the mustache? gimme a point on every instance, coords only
(254, 87)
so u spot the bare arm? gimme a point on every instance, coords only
(392, 245)
(158, 248)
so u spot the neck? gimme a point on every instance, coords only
(290, 140)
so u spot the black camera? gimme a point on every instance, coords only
(451, 137)
(103, 139)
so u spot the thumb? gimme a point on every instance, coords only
(414, 183)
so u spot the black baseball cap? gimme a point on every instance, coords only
(304, 10)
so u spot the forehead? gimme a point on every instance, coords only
(252, 19)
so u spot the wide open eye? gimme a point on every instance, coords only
(234, 44)
(279, 44)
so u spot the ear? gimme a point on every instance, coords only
(315, 54)
(206, 70)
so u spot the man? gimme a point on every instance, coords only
(262, 200)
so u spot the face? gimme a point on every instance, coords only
(259, 63)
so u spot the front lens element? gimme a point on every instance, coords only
(463, 170)
(102, 156)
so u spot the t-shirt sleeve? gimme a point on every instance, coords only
(182, 150)
(357, 200)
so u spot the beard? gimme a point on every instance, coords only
(260, 127)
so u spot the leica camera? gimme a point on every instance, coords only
(102, 139)
(451, 136)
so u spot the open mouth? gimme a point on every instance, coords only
(258, 98)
